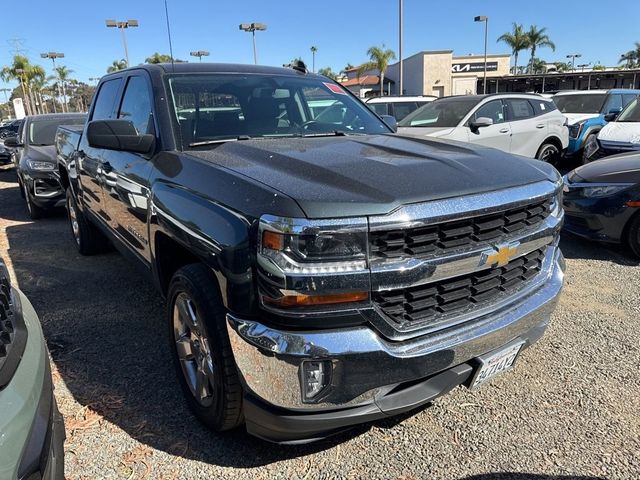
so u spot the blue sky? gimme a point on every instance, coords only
(341, 30)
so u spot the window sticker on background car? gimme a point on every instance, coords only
(334, 88)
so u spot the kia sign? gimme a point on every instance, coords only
(474, 67)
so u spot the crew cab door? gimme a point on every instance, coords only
(90, 159)
(126, 178)
(497, 135)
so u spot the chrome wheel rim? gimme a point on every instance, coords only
(73, 218)
(548, 153)
(193, 350)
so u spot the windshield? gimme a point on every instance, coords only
(43, 132)
(588, 103)
(631, 112)
(447, 112)
(212, 108)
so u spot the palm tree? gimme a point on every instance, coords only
(117, 65)
(25, 73)
(327, 72)
(538, 65)
(538, 38)
(517, 40)
(313, 52)
(562, 66)
(379, 59)
(64, 76)
(629, 58)
(158, 58)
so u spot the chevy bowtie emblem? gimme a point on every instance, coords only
(500, 255)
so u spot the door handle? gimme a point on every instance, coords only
(539, 126)
(504, 130)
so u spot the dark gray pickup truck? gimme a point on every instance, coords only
(319, 270)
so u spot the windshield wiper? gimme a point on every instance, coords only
(220, 140)
(335, 133)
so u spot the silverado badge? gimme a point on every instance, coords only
(500, 255)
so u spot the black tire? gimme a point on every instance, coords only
(548, 152)
(633, 235)
(35, 212)
(87, 238)
(220, 408)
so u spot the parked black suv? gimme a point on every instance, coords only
(319, 270)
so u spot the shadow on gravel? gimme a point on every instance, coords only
(578, 248)
(105, 329)
(527, 476)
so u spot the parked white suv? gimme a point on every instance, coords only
(524, 124)
(398, 107)
(620, 135)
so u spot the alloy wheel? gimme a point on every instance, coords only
(549, 153)
(73, 218)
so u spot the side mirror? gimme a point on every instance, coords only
(610, 117)
(118, 135)
(11, 142)
(479, 123)
(390, 121)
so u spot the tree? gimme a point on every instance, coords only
(313, 53)
(327, 72)
(25, 73)
(516, 39)
(158, 58)
(562, 66)
(536, 38)
(379, 59)
(346, 68)
(538, 65)
(599, 66)
(629, 58)
(117, 65)
(64, 75)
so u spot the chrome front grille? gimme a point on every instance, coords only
(434, 302)
(443, 238)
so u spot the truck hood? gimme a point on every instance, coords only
(41, 153)
(369, 175)
(574, 118)
(624, 168)
(627, 132)
(426, 131)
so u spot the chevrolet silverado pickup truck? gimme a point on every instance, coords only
(319, 271)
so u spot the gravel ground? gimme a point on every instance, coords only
(569, 409)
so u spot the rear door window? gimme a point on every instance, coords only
(104, 104)
(541, 107)
(380, 108)
(402, 109)
(519, 109)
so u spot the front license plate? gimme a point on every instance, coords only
(590, 149)
(494, 364)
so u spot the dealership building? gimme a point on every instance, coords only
(440, 73)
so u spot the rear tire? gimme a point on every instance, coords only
(633, 235)
(548, 152)
(88, 239)
(201, 349)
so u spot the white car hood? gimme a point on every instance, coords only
(579, 117)
(626, 132)
(426, 131)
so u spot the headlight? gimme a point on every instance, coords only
(35, 165)
(603, 190)
(574, 130)
(312, 262)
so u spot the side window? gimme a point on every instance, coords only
(106, 99)
(627, 98)
(541, 107)
(136, 105)
(519, 108)
(402, 109)
(493, 110)
(614, 103)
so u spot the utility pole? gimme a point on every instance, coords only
(400, 39)
(252, 27)
(199, 54)
(53, 56)
(485, 19)
(313, 54)
(122, 25)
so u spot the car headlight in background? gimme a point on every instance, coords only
(597, 191)
(303, 263)
(576, 128)
(43, 166)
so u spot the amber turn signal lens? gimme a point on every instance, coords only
(310, 300)
(633, 203)
(273, 240)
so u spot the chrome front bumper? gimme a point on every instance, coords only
(366, 366)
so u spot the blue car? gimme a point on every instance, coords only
(586, 111)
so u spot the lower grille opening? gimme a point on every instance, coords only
(437, 302)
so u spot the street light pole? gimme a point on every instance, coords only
(485, 19)
(199, 54)
(313, 54)
(252, 27)
(122, 25)
(401, 34)
(53, 56)
(573, 57)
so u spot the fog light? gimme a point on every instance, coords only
(316, 375)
